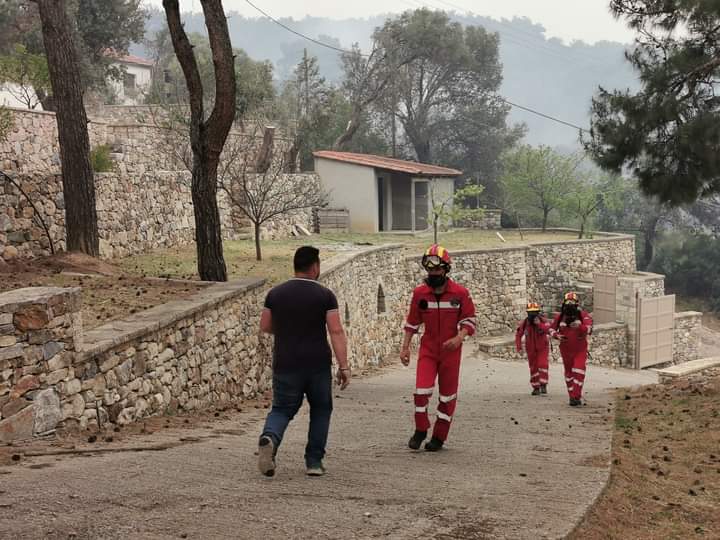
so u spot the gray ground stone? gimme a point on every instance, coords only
(47, 411)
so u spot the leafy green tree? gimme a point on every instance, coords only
(626, 209)
(668, 133)
(27, 74)
(689, 263)
(446, 70)
(538, 180)
(254, 80)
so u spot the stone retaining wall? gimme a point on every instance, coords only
(182, 355)
(687, 338)
(40, 333)
(136, 213)
(555, 267)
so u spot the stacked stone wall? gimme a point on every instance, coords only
(687, 338)
(556, 267)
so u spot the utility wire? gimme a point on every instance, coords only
(533, 111)
(317, 42)
(345, 51)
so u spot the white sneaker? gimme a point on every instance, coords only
(266, 456)
(315, 470)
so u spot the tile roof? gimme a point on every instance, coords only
(390, 164)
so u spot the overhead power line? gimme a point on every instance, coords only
(345, 51)
(533, 111)
(317, 42)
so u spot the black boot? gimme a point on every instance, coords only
(575, 402)
(434, 445)
(417, 439)
(543, 389)
(535, 392)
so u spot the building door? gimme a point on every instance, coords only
(420, 205)
(655, 327)
(604, 290)
(381, 183)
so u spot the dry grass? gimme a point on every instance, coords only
(665, 481)
(277, 255)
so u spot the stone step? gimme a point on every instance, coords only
(687, 368)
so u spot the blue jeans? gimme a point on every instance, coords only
(289, 388)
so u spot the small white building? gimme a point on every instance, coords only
(14, 96)
(382, 193)
(135, 81)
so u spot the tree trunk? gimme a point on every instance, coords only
(353, 125)
(291, 157)
(265, 153)
(258, 252)
(422, 150)
(649, 236)
(582, 230)
(77, 174)
(546, 212)
(207, 137)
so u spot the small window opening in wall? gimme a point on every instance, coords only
(347, 315)
(380, 300)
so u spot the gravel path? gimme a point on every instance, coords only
(515, 467)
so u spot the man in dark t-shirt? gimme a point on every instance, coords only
(300, 313)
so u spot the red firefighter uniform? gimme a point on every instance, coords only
(574, 350)
(442, 316)
(535, 336)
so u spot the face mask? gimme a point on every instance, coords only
(436, 281)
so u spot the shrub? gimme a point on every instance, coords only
(690, 264)
(100, 159)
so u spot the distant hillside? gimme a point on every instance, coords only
(542, 74)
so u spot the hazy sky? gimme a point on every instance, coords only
(588, 20)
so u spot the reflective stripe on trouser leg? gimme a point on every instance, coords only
(578, 374)
(534, 373)
(448, 376)
(424, 385)
(543, 365)
(422, 421)
(568, 364)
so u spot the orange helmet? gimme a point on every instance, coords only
(533, 307)
(571, 298)
(436, 256)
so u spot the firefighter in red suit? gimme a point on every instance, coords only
(572, 326)
(534, 332)
(448, 315)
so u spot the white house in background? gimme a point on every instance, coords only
(136, 79)
(382, 193)
(129, 91)
(10, 96)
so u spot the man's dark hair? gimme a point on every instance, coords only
(305, 257)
